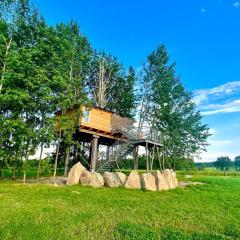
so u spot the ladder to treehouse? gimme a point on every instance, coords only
(119, 153)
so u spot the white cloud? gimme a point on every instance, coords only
(212, 156)
(236, 4)
(220, 143)
(212, 131)
(221, 99)
(233, 106)
(202, 95)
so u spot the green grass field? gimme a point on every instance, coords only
(33, 211)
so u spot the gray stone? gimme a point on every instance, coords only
(188, 183)
(75, 173)
(160, 181)
(174, 179)
(96, 180)
(111, 179)
(167, 174)
(148, 182)
(122, 177)
(91, 179)
(133, 181)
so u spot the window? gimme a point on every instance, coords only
(86, 115)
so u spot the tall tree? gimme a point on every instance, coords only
(223, 163)
(170, 108)
(109, 85)
(75, 54)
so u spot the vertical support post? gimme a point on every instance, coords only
(67, 157)
(107, 153)
(147, 153)
(94, 153)
(135, 158)
(163, 162)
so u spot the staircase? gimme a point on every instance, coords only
(119, 154)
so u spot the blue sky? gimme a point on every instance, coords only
(202, 37)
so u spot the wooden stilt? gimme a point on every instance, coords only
(147, 156)
(107, 153)
(94, 153)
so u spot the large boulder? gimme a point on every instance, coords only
(174, 179)
(111, 179)
(167, 174)
(122, 177)
(92, 179)
(148, 182)
(75, 173)
(133, 181)
(96, 180)
(160, 181)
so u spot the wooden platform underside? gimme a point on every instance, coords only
(144, 142)
(104, 137)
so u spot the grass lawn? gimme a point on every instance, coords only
(210, 211)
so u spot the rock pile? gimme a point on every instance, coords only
(154, 181)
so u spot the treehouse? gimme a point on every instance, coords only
(98, 126)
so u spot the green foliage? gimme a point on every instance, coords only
(223, 163)
(237, 162)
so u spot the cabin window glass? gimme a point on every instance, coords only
(86, 115)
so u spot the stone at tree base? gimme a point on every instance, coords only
(111, 179)
(167, 174)
(160, 181)
(133, 181)
(91, 179)
(75, 173)
(122, 177)
(148, 182)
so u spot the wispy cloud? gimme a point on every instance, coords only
(212, 156)
(236, 4)
(203, 10)
(230, 107)
(220, 143)
(221, 99)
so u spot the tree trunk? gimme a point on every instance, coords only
(135, 159)
(39, 163)
(56, 157)
(14, 173)
(25, 169)
(67, 156)
(2, 168)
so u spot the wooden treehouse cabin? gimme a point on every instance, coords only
(100, 127)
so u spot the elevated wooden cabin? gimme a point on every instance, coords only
(99, 126)
(103, 123)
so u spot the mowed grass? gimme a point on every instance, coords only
(32, 211)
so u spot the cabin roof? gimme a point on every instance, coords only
(102, 109)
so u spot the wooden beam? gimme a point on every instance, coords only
(101, 134)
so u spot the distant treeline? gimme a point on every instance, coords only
(222, 163)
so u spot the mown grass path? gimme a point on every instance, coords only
(210, 211)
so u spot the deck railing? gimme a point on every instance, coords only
(133, 134)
